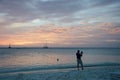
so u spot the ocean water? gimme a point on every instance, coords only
(28, 58)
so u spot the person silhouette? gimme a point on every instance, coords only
(79, 60)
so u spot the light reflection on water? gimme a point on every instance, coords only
(36, 59)
(32, 57)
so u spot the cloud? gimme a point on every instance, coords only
(68, 36)
(32, 23)
(59, 10)
(70, 22)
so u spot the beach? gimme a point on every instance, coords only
(89, 73)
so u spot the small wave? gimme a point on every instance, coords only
(37, 68)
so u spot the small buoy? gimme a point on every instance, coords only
(57, 59)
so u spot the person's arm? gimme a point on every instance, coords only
(82, 53)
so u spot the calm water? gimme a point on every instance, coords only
(48, 57)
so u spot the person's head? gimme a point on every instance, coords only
(78, 51)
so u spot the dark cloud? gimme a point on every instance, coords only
(60, 6)
(17, 9)
(30, 9)
(24, 7)
(98, 3)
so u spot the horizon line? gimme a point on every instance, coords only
(14, 47)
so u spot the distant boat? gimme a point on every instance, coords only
(9, 46)
(45, 46)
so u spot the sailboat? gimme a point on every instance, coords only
(9, 46)
(45, 46)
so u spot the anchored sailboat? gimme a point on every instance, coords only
(9, 46)
(45, 46)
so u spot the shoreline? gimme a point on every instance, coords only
(50, 68)
(89, 73)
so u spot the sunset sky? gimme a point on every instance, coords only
(60, 23)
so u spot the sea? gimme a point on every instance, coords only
(30, 59)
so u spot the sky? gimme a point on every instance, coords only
(60, 23)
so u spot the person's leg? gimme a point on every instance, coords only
(81, 64)
(78, 64)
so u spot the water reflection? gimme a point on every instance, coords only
(49, 57)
